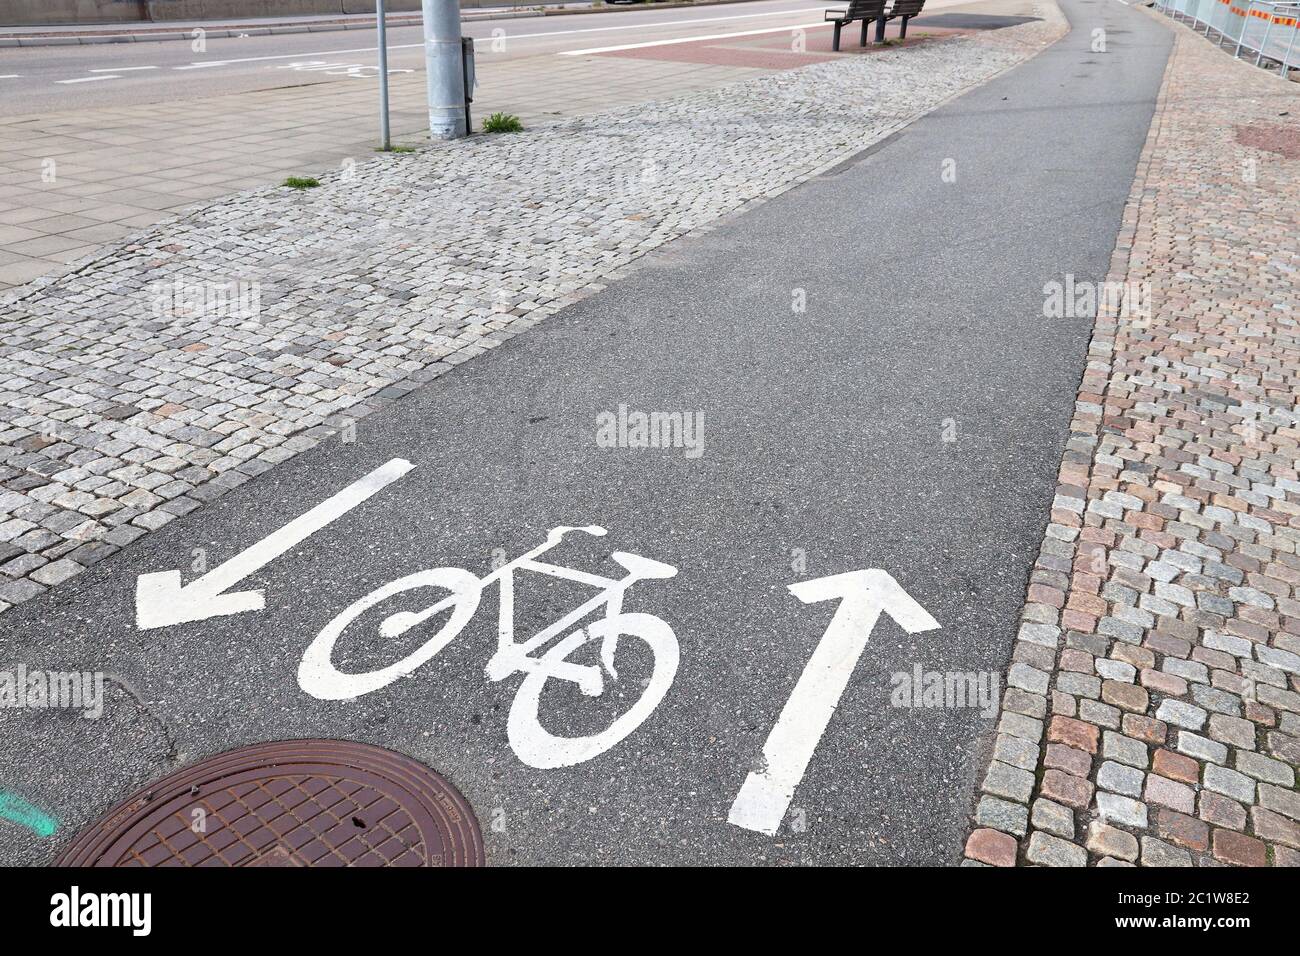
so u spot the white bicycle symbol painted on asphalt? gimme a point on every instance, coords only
(863, 596)
(534, 745)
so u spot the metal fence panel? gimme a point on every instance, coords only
(1270, 29)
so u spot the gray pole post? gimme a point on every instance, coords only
(444, 69)
(1263, 44)
(1241, 37)
(1290, 46)
(381, 23)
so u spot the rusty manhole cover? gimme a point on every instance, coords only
(289, 803)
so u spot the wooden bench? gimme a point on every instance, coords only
(901, 8)
(868, 10)
(864, 10)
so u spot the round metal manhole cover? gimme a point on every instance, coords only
(289, 803)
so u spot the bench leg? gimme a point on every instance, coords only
(880, 30)
(835, 43)
(902, 30)
(863, 40)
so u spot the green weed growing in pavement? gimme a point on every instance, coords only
(502, 123)
(395, 149)
(301, 182)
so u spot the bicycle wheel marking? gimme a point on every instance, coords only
(533, 658)
(545, 751)
(316, 672)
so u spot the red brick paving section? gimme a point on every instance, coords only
(776, 51)
(1284, 140)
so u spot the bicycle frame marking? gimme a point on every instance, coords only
(537, 747)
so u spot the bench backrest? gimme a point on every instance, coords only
(865, 9)
(906, 8)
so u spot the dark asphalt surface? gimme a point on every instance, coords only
(822, 432)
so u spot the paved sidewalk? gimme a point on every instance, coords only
(115, 171)
(72, 181)
(1152, 714)
(176, 367)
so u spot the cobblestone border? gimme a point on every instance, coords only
(1162, 605)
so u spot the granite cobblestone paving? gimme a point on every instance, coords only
(187, 360)
(1157, 667)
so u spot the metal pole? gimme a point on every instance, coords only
(381, 18)
(444, 68)
(1263, 44)
(1290, 46)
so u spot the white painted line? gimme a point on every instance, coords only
(714, 36)
(10, 76)
(307, 66)
(763, 800)
(122, 69)
(509, 36)
(161, 600)
(90, 79)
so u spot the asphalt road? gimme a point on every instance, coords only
(822, 454)
(41, 79)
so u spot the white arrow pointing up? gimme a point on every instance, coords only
(863, 595)
(161, 600)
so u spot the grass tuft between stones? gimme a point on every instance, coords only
(502, 123)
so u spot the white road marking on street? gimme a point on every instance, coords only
(508, 36)
(714, 36)
(122, 69)
(532, 743)
(161, 600)
(316, 66)
(863, 595)
(90, 79)
(10, 76)
(362, 71)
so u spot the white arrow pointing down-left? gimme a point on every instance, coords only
(161, 600)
